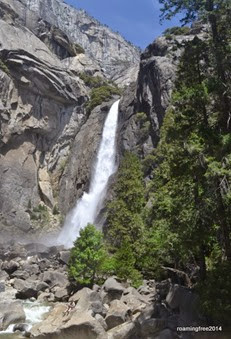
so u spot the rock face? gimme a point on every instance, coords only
(48, 141)
(55, 19)
(151, 93)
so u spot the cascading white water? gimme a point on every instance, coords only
(88, 206)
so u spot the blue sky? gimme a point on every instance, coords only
(136, 20)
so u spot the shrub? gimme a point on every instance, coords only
(40, 213)
(101, 94)
(92, 81)
(87, 257)
(4, 67)
(78, 49)
(176, 30)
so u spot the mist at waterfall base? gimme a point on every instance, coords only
(88, 207)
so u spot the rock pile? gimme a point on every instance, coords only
(114, 310)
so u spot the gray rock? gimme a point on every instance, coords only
(10, 266)
(61, 294)
(117, 314)
(97, 307)
(187, 301)
(11, 313)
(151, 93)
(113, 289)
(134, 300)
(54, 278)
(2, 287)
(20, 327)
(82, 29)
(3, 275)
(151, 326)
(101, 320)
(64, 257)
(25, 288)
(126, 330)
(75, 324)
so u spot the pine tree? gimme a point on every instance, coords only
(125, 211)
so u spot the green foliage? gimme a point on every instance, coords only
(125, 211)
(215, 293)
(124, 264)
(40, 213)
(144, 126)
(177, 31)
(87, 257)
(100, 94)
(4, 67)
(55, 210)
(190, 190)
(125, 219)
(92, 81)
(78, 49)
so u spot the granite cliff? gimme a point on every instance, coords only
(65, 29)
(51, 56)
(144, 102)
(43, 96)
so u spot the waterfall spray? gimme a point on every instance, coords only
(88, 206)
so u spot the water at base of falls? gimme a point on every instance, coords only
(88, 206)
(34, 313)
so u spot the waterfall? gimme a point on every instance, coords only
(88, 206)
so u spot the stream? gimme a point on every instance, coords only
(35, 313)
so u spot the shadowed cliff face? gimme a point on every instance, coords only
(145, 102)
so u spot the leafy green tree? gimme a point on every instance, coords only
(87, 256)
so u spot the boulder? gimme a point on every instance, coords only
(21, 327)
(163, 288)
(44, 264)
(61, 294)
(3, 275)
(25, 288)
(11, 313)
(124, 331)
(45, 296)
(42, 286)
(76, 324)
(54, 278)
(20, 274)
(134, 300)
(88, 300)
(97, 307)
(101, 320)
(117, 314)
(113, 289)
(64, 257)
(10, 266)
(187, 301)
(151, 326)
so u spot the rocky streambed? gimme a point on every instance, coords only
(36, 300)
